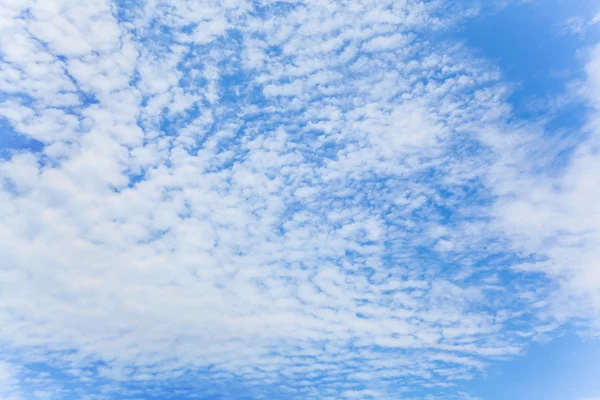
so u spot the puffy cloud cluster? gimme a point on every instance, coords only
(295, 199)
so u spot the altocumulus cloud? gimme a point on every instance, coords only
(295, 199)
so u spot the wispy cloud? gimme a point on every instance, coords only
(553, 216)
(579, 25)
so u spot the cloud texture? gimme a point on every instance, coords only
(314, 199)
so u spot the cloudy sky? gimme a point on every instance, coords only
(317, 199)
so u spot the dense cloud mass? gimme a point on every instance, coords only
(295, 199)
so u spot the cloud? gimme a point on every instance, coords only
(282, 200)
(578, 25)
(553, 216)
(9, 382)
(575, 25)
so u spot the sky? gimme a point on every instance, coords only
(318, 199)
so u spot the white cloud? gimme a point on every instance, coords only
(220, 190)
(554, 217)
(578, 25)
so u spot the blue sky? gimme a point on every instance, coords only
(564, 368)
(299, 200)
